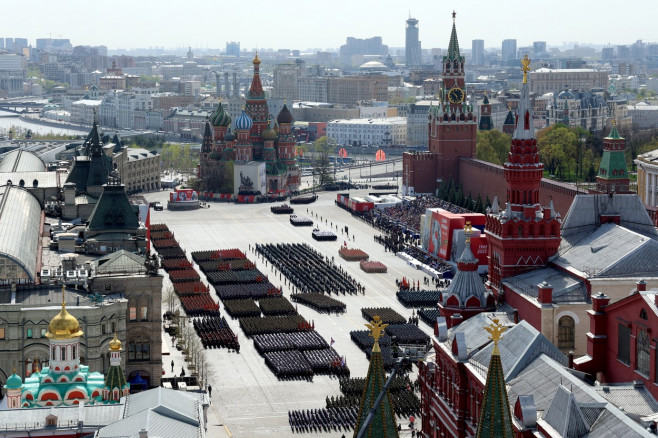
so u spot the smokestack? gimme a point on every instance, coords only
(227, 86)
(236, 89)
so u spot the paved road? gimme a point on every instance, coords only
(247, 398)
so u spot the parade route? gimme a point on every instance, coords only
(248, 400)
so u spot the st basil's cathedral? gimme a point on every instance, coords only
(253, 138)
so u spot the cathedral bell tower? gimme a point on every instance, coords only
(453, 125)
(524, 235)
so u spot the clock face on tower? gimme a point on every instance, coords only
(456, 95)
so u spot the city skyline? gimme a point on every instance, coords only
(215, 24)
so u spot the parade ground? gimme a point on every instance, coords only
(247, 398)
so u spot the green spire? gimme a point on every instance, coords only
(453, 47)
(614, 134)
(384, 424)
(495, 416)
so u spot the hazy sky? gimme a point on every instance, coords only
(302, 24)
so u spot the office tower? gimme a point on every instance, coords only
(509, 50)
(539, 47)
(412, 46)
(233, 49)
(477, 52)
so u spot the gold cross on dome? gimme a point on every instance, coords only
(453, 14)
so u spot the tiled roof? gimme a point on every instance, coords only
(155, 423)
(634, 400)
(542, 378)
(583, 215)
(472, 329)
(610, 250)
(520, 345)
(113, 211)
(119, 262)
(566, 288)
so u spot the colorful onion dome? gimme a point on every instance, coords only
(284, 115)
(14, 382)
(229, 136)
(269, 134)
(214, 155)
(64, 326)
(115, 343)
(256, 60)
(243, 122)
(220, 117)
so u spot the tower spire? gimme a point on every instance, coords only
(383, 424)
(453, 47)
(495, 415)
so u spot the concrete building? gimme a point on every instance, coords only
(313, 89)
(546, 80)
(417, 122)
(323, 112)
(643, 116)
(351, 89)
(139, 169)
(373, 132)
(24, 317)
(477, 52)
(412, 44)
(647, 177)
(84, 111)
(509, 50)
(134, 278)
(286, 80)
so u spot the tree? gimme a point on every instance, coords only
(492, 146)
(558, 149)
(322, 148)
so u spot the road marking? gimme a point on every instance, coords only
(228, 431)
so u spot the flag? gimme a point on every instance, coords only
(331, 344)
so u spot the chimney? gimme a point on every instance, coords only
(227, 86)
(143, 433)
(641, 286)
(516, 316)
(545, 296)
(599, 301)
(570, 359)
(456, 319)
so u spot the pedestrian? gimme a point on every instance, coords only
(209, 391)
(182, 372)
(172, 365)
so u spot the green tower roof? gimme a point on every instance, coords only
(614, 134)
(495, 416)
(384, 423)
(453, 47)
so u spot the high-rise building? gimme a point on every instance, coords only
(412, 46)
(539, 47)
(286, 76)
(477, 52)
(607, 53)
(233, 48)
(509, 50)
(2, 43)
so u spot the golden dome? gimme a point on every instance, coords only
(64, 325)
(256, 59)
(115, 344)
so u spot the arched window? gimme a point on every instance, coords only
(566, 334)
(643, 314)
(62, 353)
(643, 352)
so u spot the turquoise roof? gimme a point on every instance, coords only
(14, 382)
(243, 122)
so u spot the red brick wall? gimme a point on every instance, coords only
(486, 179)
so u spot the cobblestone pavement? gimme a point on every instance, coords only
(248, 400)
